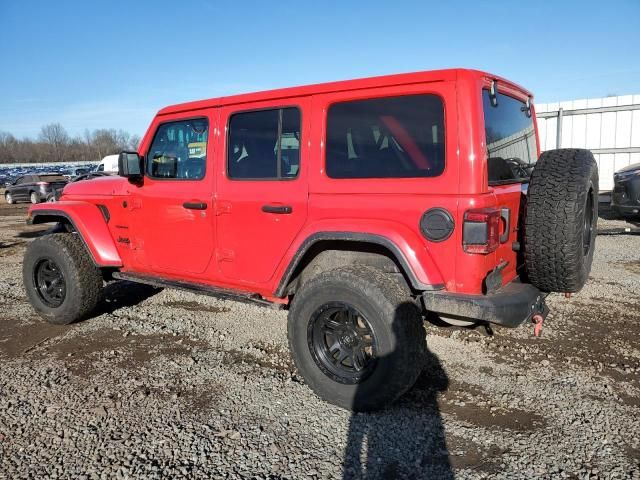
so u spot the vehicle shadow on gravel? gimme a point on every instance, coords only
(406, 440)
(121, 293)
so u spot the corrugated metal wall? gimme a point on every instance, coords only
(609, 127)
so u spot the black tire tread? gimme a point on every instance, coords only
(83, 273)
(410, 339)
(553, 249)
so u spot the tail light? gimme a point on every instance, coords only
(42, 184)
(481, 230)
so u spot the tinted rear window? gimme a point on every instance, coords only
(391, 137)
(511, 139)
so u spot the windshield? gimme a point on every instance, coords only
(511, 139)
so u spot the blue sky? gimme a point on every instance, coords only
(113, 64)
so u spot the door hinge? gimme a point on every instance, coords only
(225, 255)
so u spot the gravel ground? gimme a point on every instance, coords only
(166, 384)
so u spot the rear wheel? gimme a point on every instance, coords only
(9, 198)
(60, 279)
(561, 220)
(357, 337)
(34, 197)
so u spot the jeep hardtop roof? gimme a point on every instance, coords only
(343, 85)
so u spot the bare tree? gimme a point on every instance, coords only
(54, 145)
(56, 137)
(134, 142)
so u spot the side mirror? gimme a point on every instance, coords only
(130, 165)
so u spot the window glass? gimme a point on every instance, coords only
(391, 137)
(264, 144)
(21, 180)
(52, 178)
(511, 139)
(179, 150)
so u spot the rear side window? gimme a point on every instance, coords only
(264, 145)
(511, 139)
(391, 137)
(52, 178)
(179, 150)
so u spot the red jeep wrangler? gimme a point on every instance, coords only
(360, 206)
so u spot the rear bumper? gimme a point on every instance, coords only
(510, 306)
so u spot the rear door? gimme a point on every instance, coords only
(263, 188)
(26, 186)
(512, 149)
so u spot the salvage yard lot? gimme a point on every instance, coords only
(169, 384)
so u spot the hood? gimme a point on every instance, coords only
(630, 168)
(101, 186)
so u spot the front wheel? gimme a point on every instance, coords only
(357, 337)
(61, 281)
(9, 198)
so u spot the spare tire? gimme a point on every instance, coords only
(561, 219)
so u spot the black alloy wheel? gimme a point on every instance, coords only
(342, 342)
(587, 231)
(50, 283)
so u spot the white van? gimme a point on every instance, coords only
(109, 164)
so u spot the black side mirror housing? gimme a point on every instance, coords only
(130, 165)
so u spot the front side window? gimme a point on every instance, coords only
(179, 150)
(511, 139)
(264, 144)
(391, 137)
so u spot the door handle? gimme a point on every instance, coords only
(281, 209)
(195, 205)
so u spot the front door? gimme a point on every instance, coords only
(173, 219)
(20, 190)
(263, 190)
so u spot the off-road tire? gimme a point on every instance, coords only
(34, 197)
(82, 278)
(557, 257)
(8, 198)
(385, 301)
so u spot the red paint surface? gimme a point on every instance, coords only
(234, 244)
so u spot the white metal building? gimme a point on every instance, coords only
(609, 127)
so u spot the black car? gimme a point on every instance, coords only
(625, 199)
(34, 188)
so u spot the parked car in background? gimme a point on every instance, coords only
(625, 199)
(74, 172)
(34, 188)
(55, 195)
(108, 164)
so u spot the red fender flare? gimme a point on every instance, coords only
(88, 221)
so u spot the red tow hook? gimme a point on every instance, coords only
(537, 320)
